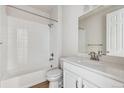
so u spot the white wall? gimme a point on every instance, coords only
(28, 46)
(82, 41)
(56, 34)
(37, 34)
(70, 29)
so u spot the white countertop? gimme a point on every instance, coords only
(109, 69)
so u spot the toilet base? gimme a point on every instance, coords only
(56, 84)
(53, 84)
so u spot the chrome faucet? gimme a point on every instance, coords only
(95, 56)
(51, 57)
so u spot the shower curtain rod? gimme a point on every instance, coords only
(32, 13)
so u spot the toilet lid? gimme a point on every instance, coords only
(54, 72)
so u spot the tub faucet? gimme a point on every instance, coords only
(51, 57)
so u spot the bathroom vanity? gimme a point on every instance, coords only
(81, 72)
(100, 32)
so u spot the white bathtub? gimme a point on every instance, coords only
(25, 80)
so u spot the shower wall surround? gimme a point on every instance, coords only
(28, 46)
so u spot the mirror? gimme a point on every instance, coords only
(92, 31)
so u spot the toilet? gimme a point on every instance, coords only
(55, 76)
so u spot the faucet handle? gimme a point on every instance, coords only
(90, 53)
(100, 53)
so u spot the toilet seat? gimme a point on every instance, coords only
(54, 73)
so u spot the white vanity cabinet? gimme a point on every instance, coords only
(75, 80)
(79, 77)
(72, 80)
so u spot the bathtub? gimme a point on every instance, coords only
(23, 80)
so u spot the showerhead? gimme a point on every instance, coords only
(50, 25)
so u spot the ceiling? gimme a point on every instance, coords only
(44, 8)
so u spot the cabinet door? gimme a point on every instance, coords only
(71, 80)
(87, 84)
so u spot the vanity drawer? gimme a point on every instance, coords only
(97, 79)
